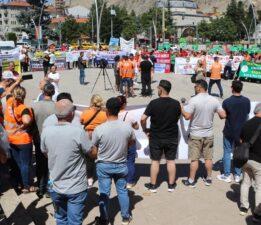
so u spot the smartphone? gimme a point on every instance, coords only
(27, 77)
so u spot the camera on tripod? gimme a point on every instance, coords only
(103, 63)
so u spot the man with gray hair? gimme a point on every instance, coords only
(65, 145)
(252, 169)
(42, 109)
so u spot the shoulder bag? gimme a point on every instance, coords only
(241, 152)
(90, 120)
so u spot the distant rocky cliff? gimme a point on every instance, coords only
(141, 6)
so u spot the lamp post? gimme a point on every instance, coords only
(113, 13)
(97, 24)
(254, 17)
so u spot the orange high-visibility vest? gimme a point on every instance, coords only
(216, 71)
(13, 123)
(127, 69)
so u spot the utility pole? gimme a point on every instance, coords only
(254, 17)
(97, 25)
(163, 23)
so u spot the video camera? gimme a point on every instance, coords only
(103, 63)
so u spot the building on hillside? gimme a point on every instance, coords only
(185, 16)
(8, 17)
(77, 12)
(58, 21)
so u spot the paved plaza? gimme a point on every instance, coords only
(214, 205)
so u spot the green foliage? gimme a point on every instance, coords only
(230, 27)
(70, 30)
(11, 37)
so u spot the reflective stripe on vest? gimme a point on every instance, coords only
(13, 124)
(216, 71)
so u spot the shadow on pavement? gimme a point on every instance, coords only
(114, 208)
(182, 170)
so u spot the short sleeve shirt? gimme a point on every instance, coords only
(202, 107)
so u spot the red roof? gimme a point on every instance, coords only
(62, 19)
(18, 4)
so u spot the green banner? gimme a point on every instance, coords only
(195, 47)
(250, 70)
(183, 45)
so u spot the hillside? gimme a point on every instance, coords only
(140, 6)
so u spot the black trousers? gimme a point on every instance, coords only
(41, 168)
(228, 69)
(146, 85)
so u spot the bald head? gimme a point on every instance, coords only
(64, 110)
(257, 110)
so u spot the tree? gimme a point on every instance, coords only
(12, 37)
(25, 17)
(70, 30)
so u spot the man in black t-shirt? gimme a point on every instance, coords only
(164, 114)
(252, 169)
(146, 67)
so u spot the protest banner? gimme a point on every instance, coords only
(250, 70)
(163, 58)
(11, 57)
(127, 46)
(143, 150)
(187, 65)
(37, 64)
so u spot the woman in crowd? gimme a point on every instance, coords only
(200, 71)
(90, 119)
(18, 119)
(54, 78)
(129, 117)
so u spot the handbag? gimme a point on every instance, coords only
(241, 152)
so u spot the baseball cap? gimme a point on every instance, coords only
(8, 75)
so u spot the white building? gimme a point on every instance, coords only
(8, 17)
(185, 15)
(77, 11)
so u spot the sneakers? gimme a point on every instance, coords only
(151, 187)
(243, 211)
(130, 185)
(188, 184)
(126, 221)
(224, 178)
(207, 181)
(256, 218)
(100, 221)
(237, 179)
(171, 187)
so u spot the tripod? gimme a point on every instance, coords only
(104, 73)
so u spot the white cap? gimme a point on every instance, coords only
(8, 75)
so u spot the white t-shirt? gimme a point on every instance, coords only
(52, 58)
(128, 116)
(54, 76)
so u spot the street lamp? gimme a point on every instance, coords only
(113, 13)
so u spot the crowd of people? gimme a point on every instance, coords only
(71, 151)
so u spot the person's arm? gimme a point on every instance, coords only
(85, 143)
(43, 146)
(188, 113)
(220, 111)
(26, 118)
(143, 121)
(8, 90)
(95, 143)
(135, 125)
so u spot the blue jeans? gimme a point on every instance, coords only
(228, 144)
(218, 82)
(131, 164)
(82, 76)
(118, 172)
(21, 163)
(69, 208)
